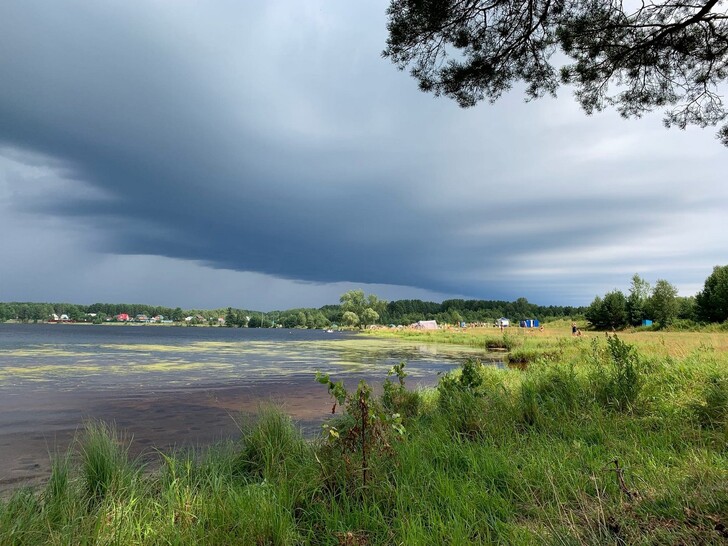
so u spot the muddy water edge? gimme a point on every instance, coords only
(177, 387)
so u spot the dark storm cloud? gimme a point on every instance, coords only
(242, 139)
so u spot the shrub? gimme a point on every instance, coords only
(469, 380)
(462, 400)
(396, 398)
(362, 435)
(495, 344)
(617, 375)
(509, 341)
(470, 377)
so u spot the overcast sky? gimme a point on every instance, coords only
(263, 155)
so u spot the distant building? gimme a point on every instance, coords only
(123, 317)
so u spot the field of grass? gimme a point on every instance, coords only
(590, 440)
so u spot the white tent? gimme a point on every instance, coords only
(426, 325)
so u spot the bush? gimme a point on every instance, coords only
(509, 341)
(469, 380)
(495, 344)
(363, 435)
(617, 376)
(396, 398)
(465, 401)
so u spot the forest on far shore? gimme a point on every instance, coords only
(659, 306)
(397, 312)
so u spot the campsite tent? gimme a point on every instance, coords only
(529, 323)
(504, 322)
(426, 325)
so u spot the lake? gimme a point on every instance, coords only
(178, 386)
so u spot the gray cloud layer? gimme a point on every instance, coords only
(273, 139)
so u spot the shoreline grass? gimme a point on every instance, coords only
(598, 440)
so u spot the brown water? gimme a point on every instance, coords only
(176, 387)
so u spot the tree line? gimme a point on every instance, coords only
(38, 312)
(357, 309)
(354, 309)
(660, 304)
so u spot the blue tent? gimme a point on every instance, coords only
(530, 323)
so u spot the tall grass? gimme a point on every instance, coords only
(105, 461)
(601, 444)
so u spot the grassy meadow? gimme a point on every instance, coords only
(594, 439)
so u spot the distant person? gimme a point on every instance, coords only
(573, 328)
(541, 328)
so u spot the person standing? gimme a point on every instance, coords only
(573, 328)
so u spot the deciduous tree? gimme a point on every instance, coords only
(369, 316)
(663, 303)
(610, 312)
(355, 301)
(350, 318)
(712, 301)
(639, 294)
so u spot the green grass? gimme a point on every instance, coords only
(598, 443)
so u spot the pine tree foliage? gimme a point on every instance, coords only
(636, 56)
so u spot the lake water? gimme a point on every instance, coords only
(174, 386)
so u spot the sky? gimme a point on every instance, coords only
(263, 155)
